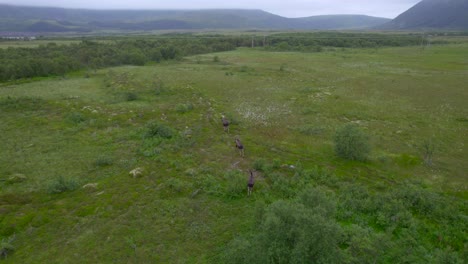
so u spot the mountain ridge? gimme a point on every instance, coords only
(53, 19)
(432, 14)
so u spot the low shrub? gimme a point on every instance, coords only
(428, 148)
(282, 185)
(351, 143)
(318, 176)
(209, 184)
(236, 185)
(176, 185)
(62, 184)
(6, 247)
(159, 87)
(184, 108)
(76, 118)
(300, 231)
(103, 161)
(156, 129)
(131, 96)
(259, 164)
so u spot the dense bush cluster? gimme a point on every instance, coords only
(313, 42)
(298, 231)
(324, 221)
(156, 129)
(313, 217)
(53, 59)
(351, 143)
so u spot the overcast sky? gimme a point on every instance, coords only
(287, 8)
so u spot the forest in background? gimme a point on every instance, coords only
(56, 59)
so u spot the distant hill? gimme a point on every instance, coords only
(44, 19)
(433, 14)
(341, 21)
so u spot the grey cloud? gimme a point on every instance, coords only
(289, 8)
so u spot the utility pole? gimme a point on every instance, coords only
(253, 45)
(422, 41)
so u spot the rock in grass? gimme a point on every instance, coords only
(90, 186)
(195, 193)
(137, 172)
(16, 178)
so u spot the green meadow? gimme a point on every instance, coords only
(70, 143)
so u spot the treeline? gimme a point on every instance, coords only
(53, 59)
(315, 41)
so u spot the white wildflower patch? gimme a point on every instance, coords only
(319, 93)
(263, 115)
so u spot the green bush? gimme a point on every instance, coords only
(176, 185)
(240, 250)
(266, 167)
(428, 151)
(131, 96)
(159, 86)
(156, 129)
(184, 108)
(365, 246)
(354, 200)
(282, 185)
(447, 256)
(317, 200)
(318, 176)
(76, 117)
(209, 184)
(236, 185)
(6, 247)
(62, 184)
(351, 143)
(103, 161)
(300, 231)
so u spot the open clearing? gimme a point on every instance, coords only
(285, 106)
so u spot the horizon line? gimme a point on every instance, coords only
(182, 9)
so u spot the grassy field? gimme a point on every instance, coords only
(59, 134)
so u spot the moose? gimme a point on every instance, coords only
(239, 146)
(250, 183)
(225, 123)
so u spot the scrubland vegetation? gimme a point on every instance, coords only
(359, 152)
(67, 56)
